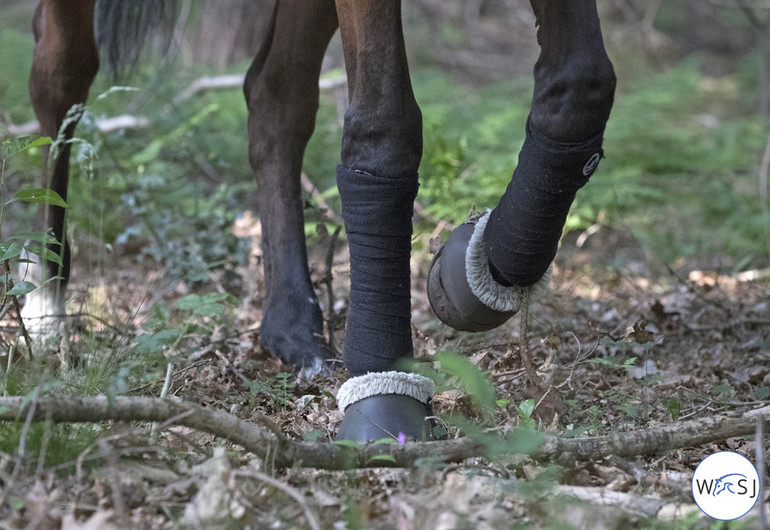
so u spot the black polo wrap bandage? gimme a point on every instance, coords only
(523, 231)
(378, 220)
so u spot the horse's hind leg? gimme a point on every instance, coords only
(64, 65)
(282, 95)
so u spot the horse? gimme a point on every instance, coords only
(489, 266)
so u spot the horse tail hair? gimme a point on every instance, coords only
(123, 27)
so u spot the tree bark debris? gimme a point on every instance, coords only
(285, 453)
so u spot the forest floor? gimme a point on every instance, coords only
(621, 343)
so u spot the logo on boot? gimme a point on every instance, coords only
(591, 165)
(725, 485)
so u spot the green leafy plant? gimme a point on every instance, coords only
(455, 372)
(625, 365)
(762, 392)
(279, 390)
(198, 314)
(673, 406)
(723, 393)
(18, 247)
(525, 410)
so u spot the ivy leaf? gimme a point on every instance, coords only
(382, 441)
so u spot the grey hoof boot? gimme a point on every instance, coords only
(381, 405)
(450, 294)
(461, 289)
(389, 416)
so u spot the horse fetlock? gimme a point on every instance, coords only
(292, 330)
(377, 211)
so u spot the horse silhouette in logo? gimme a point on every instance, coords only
(723, 485)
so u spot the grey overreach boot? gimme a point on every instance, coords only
(381, 405)
(461, 289)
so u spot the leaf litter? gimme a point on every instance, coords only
(618, 347)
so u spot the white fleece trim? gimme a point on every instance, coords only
(361, 387)
(484, 286)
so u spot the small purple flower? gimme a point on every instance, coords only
(401, 438)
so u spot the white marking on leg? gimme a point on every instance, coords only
(42, 314)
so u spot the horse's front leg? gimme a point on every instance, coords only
(377, 181)
(64, 65)
(489, 267)
(282, 95)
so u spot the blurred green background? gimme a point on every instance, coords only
(684, 146)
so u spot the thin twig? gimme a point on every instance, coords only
(43, 445)
(318, 197)
(575, 362)
(328, 281)
(526, 360)
(312, 518)
(167, 380)
(51, 502)
(108, 454)
(6, 269)
(141, 388)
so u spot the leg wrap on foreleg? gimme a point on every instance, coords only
(378, 220)
(523, 231)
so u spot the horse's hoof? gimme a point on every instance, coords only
(386, 416)
(449, 293)
(293, 333)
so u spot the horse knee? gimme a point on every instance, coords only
(572, 102)
(383, 142)
(281, 117)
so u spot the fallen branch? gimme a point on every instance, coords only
(286, 452)
(202, 84)
(105, 125)
(206, 83)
